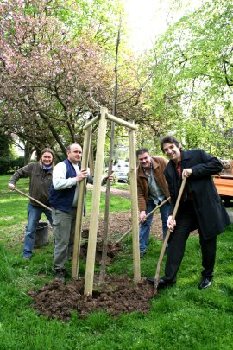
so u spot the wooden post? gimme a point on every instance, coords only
(134, 206)
(91, 161)
(80, 204)
(91, 249)
(89, 123)
(121, 121)
(107, 210)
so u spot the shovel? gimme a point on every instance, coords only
(35, 200)
(150, 213)
(158, 268)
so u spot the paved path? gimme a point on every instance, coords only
(115, 191)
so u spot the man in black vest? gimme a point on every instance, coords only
(63, 200)
(200, 208)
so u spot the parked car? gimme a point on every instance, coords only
(121, 170)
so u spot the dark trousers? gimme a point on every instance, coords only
(186, 222)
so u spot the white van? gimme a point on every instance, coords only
(121, 170)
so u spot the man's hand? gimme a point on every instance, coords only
(142, 216)
(171, 223)
(11, 186)
(186, 173)
(82, 175)
(110, 178)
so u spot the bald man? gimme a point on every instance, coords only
(63, 200)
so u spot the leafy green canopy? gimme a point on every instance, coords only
(191, 94)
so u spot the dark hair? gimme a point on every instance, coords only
(49, 150)
(141, 151)
(169, 139)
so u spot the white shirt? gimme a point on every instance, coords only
(60, 182)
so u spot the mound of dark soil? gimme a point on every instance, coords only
(117, 295)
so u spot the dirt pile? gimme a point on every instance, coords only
(117, 295)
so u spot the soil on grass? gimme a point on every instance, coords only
(118, 295)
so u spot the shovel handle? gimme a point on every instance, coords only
(158, 268)
(33, 199)
(181, 190)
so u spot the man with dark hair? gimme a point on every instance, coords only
(40, 175)
(170, 139)
(200, 208)
(152, 190)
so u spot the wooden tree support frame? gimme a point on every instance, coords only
(93, 230)
(80, 204)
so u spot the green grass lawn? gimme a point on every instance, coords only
(180, 318)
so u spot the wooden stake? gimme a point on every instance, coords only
(134, 206)
(91, 249)
(80, 204)
(107, 210)
(92, 121)
(121, 121)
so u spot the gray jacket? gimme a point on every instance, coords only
(39, 183)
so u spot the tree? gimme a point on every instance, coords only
(193, 77)
(53, 68)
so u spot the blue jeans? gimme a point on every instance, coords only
(34, 216)
(145, 226)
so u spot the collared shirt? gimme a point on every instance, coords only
(178, 169)
(155, 192)
(60, 182)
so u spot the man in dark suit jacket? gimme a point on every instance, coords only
(200, 208)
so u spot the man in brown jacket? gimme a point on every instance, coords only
(152, 190)
(40, 175)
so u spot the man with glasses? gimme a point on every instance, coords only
(152, 190)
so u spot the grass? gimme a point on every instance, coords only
(180, 318)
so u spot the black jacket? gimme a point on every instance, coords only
(212, 216)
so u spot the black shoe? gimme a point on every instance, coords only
(60, 276)
(150, 280)
(163, 283)
(205, 283)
